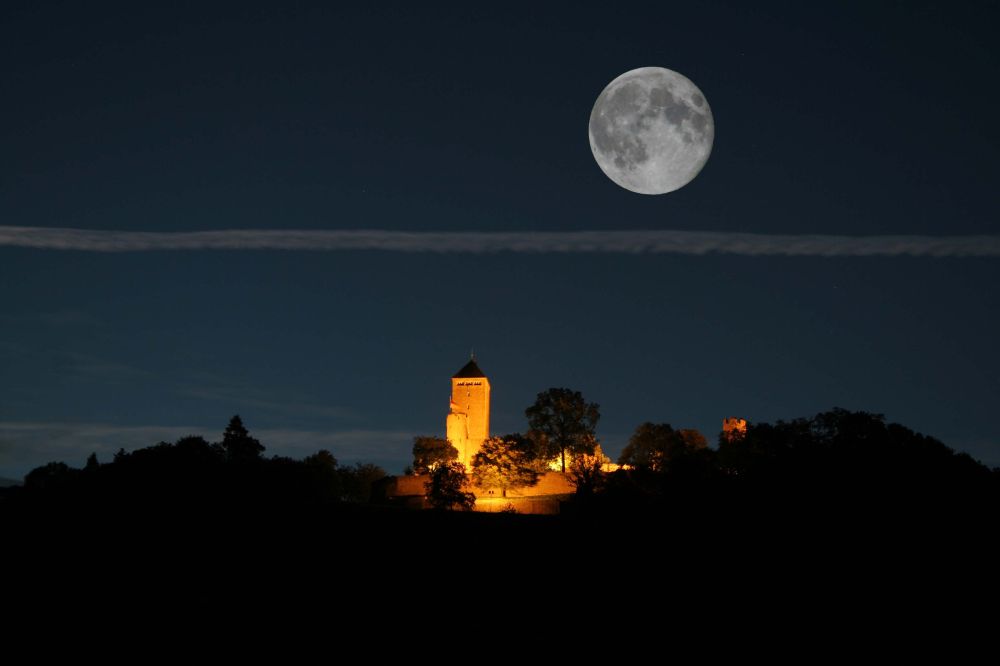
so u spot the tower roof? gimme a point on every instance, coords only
(470, 369)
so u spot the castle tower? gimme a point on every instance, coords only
(468, 424)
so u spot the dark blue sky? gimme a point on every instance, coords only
(858, 119)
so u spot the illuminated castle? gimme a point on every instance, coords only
(468, 424)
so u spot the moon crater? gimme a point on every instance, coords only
(651, 130)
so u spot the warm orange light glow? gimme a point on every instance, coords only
(607, 465)
(734, 428)
(468, 422)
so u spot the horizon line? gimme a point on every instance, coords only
(697, 243)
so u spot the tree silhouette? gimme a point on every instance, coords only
(196, 451)
(357, 481)
(693, 439)
(836, 458)
(840, 449)
(51, 476)
(585, 472)
(429, 452)
(657, 447)
(563, 421)
(193, 475)
(324, 476)
(446, 488)
(322, 459)
(505, 462)
(237, 443)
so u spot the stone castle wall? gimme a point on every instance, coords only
(543, 497)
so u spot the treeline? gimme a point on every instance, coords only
(193, 472)
(837, 457)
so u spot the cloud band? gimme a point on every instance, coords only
(529, 242)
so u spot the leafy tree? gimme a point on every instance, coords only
(239, 446)
(196, 450)
(52, 475)
(357, 481)
(323, 474)
(564, 421)
(586, 473)
(505, 462)
(693, 439)
(657, 447)
(322, 459)
(446, 488)
(429, 452)
(648, 447)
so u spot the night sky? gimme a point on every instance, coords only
(841, 118)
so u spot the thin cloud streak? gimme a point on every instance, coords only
(529, 242)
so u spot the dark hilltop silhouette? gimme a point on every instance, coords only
(196, 522)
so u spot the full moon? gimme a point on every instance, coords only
(651, 130)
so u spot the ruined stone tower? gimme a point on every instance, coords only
(468, 424)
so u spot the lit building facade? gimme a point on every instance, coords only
(468, 423)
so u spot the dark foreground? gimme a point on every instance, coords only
(737, 551)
